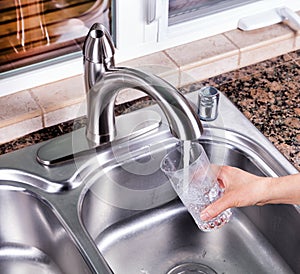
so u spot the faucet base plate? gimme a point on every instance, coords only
(75, 144)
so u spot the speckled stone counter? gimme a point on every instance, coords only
(268, 93)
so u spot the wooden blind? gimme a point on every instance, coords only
(33, 30)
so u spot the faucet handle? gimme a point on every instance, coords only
(99, 47)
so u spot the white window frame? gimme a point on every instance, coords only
(136, 37)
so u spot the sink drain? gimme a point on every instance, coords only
(191, 268)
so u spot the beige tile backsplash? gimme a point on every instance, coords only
(158, 63)
(60, 101)
(259, 45)
(31, 110)
(18, 107)
(207, 70)
(202, 52)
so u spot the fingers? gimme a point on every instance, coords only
(214, 209)
(240, 189)
(220, 205)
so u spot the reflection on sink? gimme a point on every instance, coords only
(164, 239)
(161, 239)
(56, 218)
(32, 240)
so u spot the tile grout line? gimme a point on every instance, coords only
(177, 66)
(171, 59)
(295, 40)
(40, 107)
(238, 48)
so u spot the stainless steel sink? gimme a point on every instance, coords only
(112, 210)
(33, 240)
(164, 237)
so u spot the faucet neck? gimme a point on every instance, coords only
(182, 119)
(103, 81)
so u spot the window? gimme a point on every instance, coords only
(37, 30)
(38, 33)
(153, 25)
(183, 11)
(41, 40)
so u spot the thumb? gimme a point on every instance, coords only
(213, 210)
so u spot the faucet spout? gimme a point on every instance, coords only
(104, 81)
(98, 52)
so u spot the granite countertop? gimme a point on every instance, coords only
(267, 93)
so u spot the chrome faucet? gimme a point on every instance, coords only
(103, 81)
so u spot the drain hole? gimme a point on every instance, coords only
(192, 268)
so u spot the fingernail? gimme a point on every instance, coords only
(204, 216)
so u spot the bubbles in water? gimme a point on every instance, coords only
(214, 193)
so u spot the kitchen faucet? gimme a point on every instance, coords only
(103, 81)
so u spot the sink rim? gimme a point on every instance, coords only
(238, 142)
(227, 137)
(67, 185)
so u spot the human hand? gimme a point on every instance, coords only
(240, 189)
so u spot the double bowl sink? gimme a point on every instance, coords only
(113, 211)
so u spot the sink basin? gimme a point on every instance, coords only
(162, 237)
(32, 239)
(111, 209)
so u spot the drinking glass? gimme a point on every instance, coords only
(194, 180)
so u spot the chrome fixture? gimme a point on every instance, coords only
(103, 81)
(208, 101)
(81, 216)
